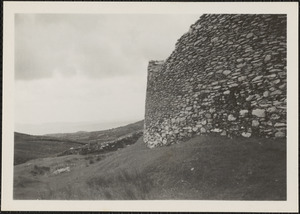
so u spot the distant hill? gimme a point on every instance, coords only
(67, 127)
(100, 136)
(28, 147)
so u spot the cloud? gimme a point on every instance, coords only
(80, 99)
(94, 45)
(73, 68)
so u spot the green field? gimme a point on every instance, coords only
(203, 168)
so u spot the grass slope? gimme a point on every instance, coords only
(28, 147)
(205, 167)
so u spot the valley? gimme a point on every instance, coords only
(202, 168)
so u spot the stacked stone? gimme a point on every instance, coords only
(92, 148)
(226, 75)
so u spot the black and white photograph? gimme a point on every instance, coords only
(188, 104)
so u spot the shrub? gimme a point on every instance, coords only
(39, 170)
(99, 158)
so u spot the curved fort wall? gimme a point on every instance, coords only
(227, 75)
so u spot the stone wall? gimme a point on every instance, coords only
(227, 75)
(108, 146)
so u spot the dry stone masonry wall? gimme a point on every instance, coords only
(227, 75)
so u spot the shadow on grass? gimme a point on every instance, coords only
(124, 185)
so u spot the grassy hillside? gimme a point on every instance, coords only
(28, 147)
(101, 136)
(205, 167)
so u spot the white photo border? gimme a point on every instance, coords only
(12, 8)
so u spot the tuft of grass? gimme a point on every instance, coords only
(124, 185)
(121, 186)
(99, 158)
(23, 182)
(88, 157)
(39, 170)
(65, 193)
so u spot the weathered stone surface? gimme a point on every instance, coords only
(226, 92)
(224, 133)
(275, 70)
(268, 58)
(240, 65)
(226, 72)
(249, 35)
(233, 85)
(246, 134)
(249, 98)
(279, 125)
(242, 78)
(271, 76)
(277, 92)
(208, 115)
(279, 134)
(266, 94)
(272, 109)
(255, 123)
(259, 112)
(215, 80)
(216, 130)
(231, 117)
(257, 78)
(282, 86)
(243, 112)
(202, 130)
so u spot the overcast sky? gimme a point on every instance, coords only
(88, 68)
